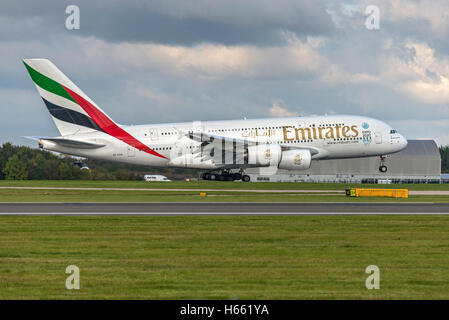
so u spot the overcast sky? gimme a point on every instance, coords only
(172, 61)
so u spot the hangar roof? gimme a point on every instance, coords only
(420, 158)
(420, 148)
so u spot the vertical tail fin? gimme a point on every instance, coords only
(71, 109)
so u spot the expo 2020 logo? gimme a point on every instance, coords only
(365, 125)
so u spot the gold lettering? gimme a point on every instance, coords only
(284, 129)
(303, 133)
(337, 129)
(314, 132)
(330, 133)
(344, 131)
(320, 132)
(356, 132)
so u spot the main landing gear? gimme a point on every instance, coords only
(383, 168)
(225, 175)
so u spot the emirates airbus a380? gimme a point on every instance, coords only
(224, 148)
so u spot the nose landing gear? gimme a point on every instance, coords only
(383, 168)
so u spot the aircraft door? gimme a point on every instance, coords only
(197, 126)
(131, 151)
(378, 137)
(178, 155)
(321, 136)
(301, 124)
(153, 135)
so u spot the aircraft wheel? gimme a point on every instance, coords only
(206, 176)
(246, 178)
(383, 169)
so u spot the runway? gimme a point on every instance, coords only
(189, 208)
(299, 191)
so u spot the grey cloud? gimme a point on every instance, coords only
(171, 22)
(36, 29)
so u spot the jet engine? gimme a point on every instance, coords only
(299, 159)
(264, 155)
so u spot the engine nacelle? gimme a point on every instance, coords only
(295, 160)
(264, 155)
(47, 145)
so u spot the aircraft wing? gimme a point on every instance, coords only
(227, 143)
(230, 145)
(218, 148)
(224, 143)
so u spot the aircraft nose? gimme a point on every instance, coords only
(403, 142)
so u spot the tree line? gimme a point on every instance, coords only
(25, 163)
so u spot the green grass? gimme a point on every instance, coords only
(222, 257)
(49, 195)
(214, 185)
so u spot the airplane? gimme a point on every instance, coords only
(224, 148)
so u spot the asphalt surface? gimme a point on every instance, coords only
(342, 192)
(222, 208)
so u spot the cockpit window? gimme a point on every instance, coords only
(393, 131)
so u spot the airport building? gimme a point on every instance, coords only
(420, 162)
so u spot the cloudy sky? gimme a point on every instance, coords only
(175, 60)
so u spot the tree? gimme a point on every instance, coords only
(444, 152)
(65, 171)
(6, 151)
(15, 169)
(51, 170)
(36, 166)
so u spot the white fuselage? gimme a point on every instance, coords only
(327, 137)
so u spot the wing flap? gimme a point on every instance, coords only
(220, 141)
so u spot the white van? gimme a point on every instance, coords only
(155, 177)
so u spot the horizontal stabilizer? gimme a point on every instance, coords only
(68, 143)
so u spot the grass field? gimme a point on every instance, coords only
(219, 257)
(222, 257)
(185, 194)
(213, 185)
(15, 195)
